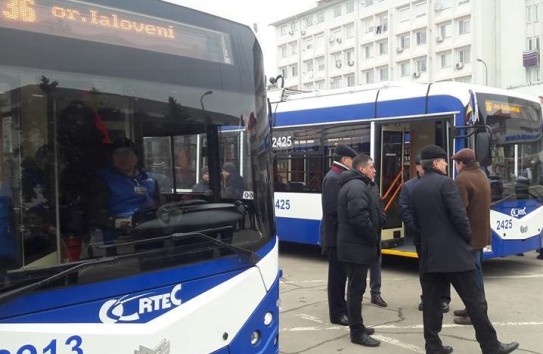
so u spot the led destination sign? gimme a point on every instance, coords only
(97, 23)
(504, 108)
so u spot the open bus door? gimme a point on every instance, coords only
(398, 145)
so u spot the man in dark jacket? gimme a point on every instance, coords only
(411, 234)
(358, 239)
(445, 255)
(475, 192)
(337, 275)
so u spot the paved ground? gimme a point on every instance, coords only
(514, 287)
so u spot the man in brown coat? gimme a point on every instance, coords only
(474, 189)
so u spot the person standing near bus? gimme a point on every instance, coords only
(445, 255)
(475, 191)
(359, 210)
(411, 234)
(375, 268)
(337, 274)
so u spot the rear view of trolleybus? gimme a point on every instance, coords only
(191, 265)
(392, 122)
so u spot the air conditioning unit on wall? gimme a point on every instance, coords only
(399, 49)
(416, 74)
(439, 39)
(459, 65)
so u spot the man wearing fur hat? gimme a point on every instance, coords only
(445, 255)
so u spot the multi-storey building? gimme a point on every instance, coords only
(342, 43)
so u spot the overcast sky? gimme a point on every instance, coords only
(249, 12)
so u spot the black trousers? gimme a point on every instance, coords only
(356, 286)
(337, 279)
(469, 290)
(446, 296)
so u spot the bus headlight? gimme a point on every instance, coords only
(255, 337)
(268, 318)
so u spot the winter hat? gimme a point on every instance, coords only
(345, 150)
(431, 152)
(417, 159)
(229, 167)
(203, 171)
(465, 155)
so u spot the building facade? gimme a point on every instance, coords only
(341, 43)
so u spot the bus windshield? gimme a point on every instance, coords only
(517, 143)
(189, 121)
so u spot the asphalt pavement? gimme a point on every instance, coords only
(514, 289)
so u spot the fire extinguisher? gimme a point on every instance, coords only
(73, 248)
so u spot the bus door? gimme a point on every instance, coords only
(399, 145)
(390, 178)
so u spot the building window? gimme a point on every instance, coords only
(528, 14)
(294, 70)
(320, 17)
(445, 59)
(283, 51)
(308, 43)
(336, 59)
(367, 24)
(464, 55)
(536, 41)
(420, 8)
(308, 86)
(383, 47)
(319, 84)
(404, 41)
(350, 7)
(529, 44)
(368, 76)
(403, 14)
(420, 64)
(445, 29)
(405, 69)
(464, 26)
(383, 73)
(319, 41)
(308, 21)
(320, 63)
(284, 30)
(533, 74)
(366, 2)
(536, 12)
(337, 11)
(382, 20)
(308, 66)
(284, 72)
(335, 82)
(420, 37)
(349, 57)
(293, 48)
(349, 79)
(349, 30)
(367, 50)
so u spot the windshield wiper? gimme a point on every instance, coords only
(11, 294)
(248, 254)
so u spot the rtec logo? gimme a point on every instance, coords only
(518, 212)
(129, 309)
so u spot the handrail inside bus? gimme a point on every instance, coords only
(395, 187)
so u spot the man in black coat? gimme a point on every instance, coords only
(359, 213)
(445, 255)
(337, 274)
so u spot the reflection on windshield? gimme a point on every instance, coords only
(86, 174)
(517, 159)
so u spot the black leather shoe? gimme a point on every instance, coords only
(445, 350)
(365, 340)
(461, 313)
(342, 321)
(378, 300)
(504, 348)
(369, 331)
(445, 307)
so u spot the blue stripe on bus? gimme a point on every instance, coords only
(503, 248)
(298, 230)
(385, 109)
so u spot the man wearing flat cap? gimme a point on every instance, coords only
(445, 255)
(474, 189)
(337, 274)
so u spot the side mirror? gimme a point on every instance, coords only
(483, 141)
